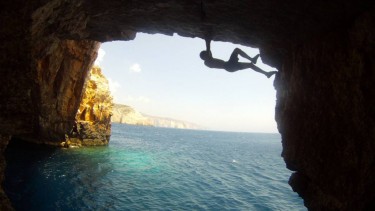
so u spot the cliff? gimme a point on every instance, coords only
(93, 119)
(323, 50)
(127, 115)
(172, 123)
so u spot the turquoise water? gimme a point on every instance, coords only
(147, 168)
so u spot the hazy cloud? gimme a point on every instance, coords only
(135, 68)
(141, 99)
(113, 85)
(100, 57)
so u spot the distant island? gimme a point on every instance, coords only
(125, 114)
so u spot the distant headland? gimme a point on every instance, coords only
(125, 114)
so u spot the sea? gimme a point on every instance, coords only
(150, 168)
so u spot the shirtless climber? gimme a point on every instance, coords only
(232, 65)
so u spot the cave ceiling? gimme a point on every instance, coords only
(270, 25)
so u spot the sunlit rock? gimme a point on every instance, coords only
(93, 119)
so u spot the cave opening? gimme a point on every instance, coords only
(163, 76)
(140, 160)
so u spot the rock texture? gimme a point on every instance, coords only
(325, 86)
(61, 71)
(4, 201)
(325, 113)
(92, 125)
(127, 115)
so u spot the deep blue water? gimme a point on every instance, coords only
(147, 168)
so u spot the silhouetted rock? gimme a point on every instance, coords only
(4, 201)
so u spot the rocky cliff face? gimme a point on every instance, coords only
(93, 120)
(323, 50)
(61, 71)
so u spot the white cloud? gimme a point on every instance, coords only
(113, 85)
(100, 57)
(135, 68)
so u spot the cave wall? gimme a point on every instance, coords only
(42, 75)
(4, 201)
(325, 113)
(16, 110)
(61, 70)
(323, 50)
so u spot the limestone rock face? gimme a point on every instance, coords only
(61, 70)
(93, 119)
(323, 50)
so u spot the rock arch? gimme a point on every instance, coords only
(325, 87)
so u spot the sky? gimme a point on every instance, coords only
(164, 76)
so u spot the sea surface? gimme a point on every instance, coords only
(146, 168)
